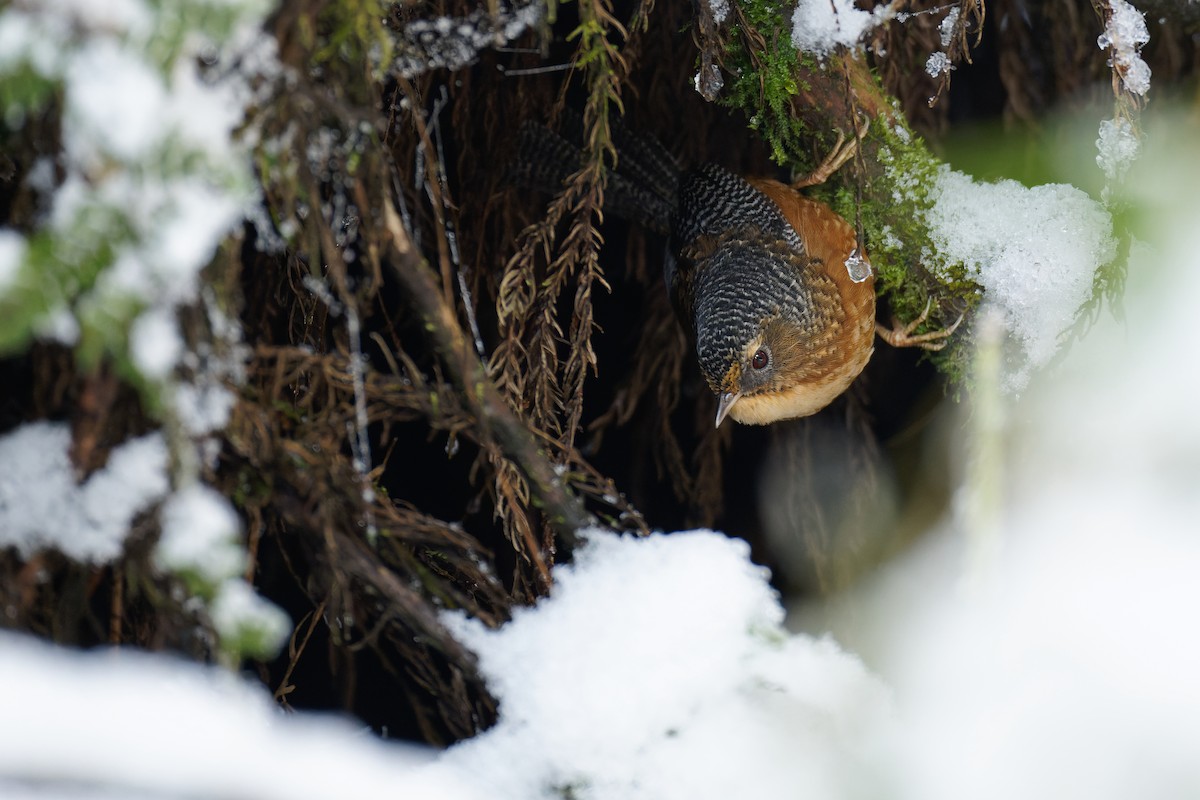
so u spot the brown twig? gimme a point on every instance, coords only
(295, 650)
(564, 511)
(359, 562)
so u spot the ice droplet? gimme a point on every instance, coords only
(857, 267)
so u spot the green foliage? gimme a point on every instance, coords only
(896, 230)
(354, 33)
(175, 23)
(600, 56)
(1108, 284)
(762, 81)
(255, 639)
(23, 91)
(57, 268)
(113, 206)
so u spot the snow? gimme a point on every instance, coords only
(719, 10)
(1118, 148)
(204, 113)
(12, 253)
(129, 16)
(59, 325)
(43, 508)
(1033, 250)
(155, 343)
(938, 64)
(821, 26)
(658, 668)
(946, 28)
(1051, 681)
(1124, 36)
(239, 612)
(149, 142)
(23, 40)
(637, 678)
(201, 542)
(130, 725)
(1065, 663)
(197, 217)
(1067, 666)
(454, 42)
(1062, 665)
(204, 406)
(114, 105)
(200, 536)
(709, 82)
(156, 175)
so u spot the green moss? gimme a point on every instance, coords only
(763, 82)
(897, 239)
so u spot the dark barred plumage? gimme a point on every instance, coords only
(642, 188)
(729, 265)
(756, 271)
(712, 200)
(742, 283)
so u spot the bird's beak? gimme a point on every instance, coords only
(725, 403)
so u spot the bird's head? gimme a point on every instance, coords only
(759, 374)
(751, 310)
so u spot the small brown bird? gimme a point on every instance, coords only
(760, 271)
(780, 303)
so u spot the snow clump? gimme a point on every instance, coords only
(821, 26)
(938, 64)
(659, 668)
(1119, 148)
(42, 507)
(1124, 36)
(1033, 250)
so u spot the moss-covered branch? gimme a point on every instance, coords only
(804, 107)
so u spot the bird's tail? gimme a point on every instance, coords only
(642, 189)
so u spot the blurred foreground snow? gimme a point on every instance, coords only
(121, 725)
(1043, 642)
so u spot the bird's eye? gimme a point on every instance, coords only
(761, 359)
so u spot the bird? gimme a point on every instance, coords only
(772, 286)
